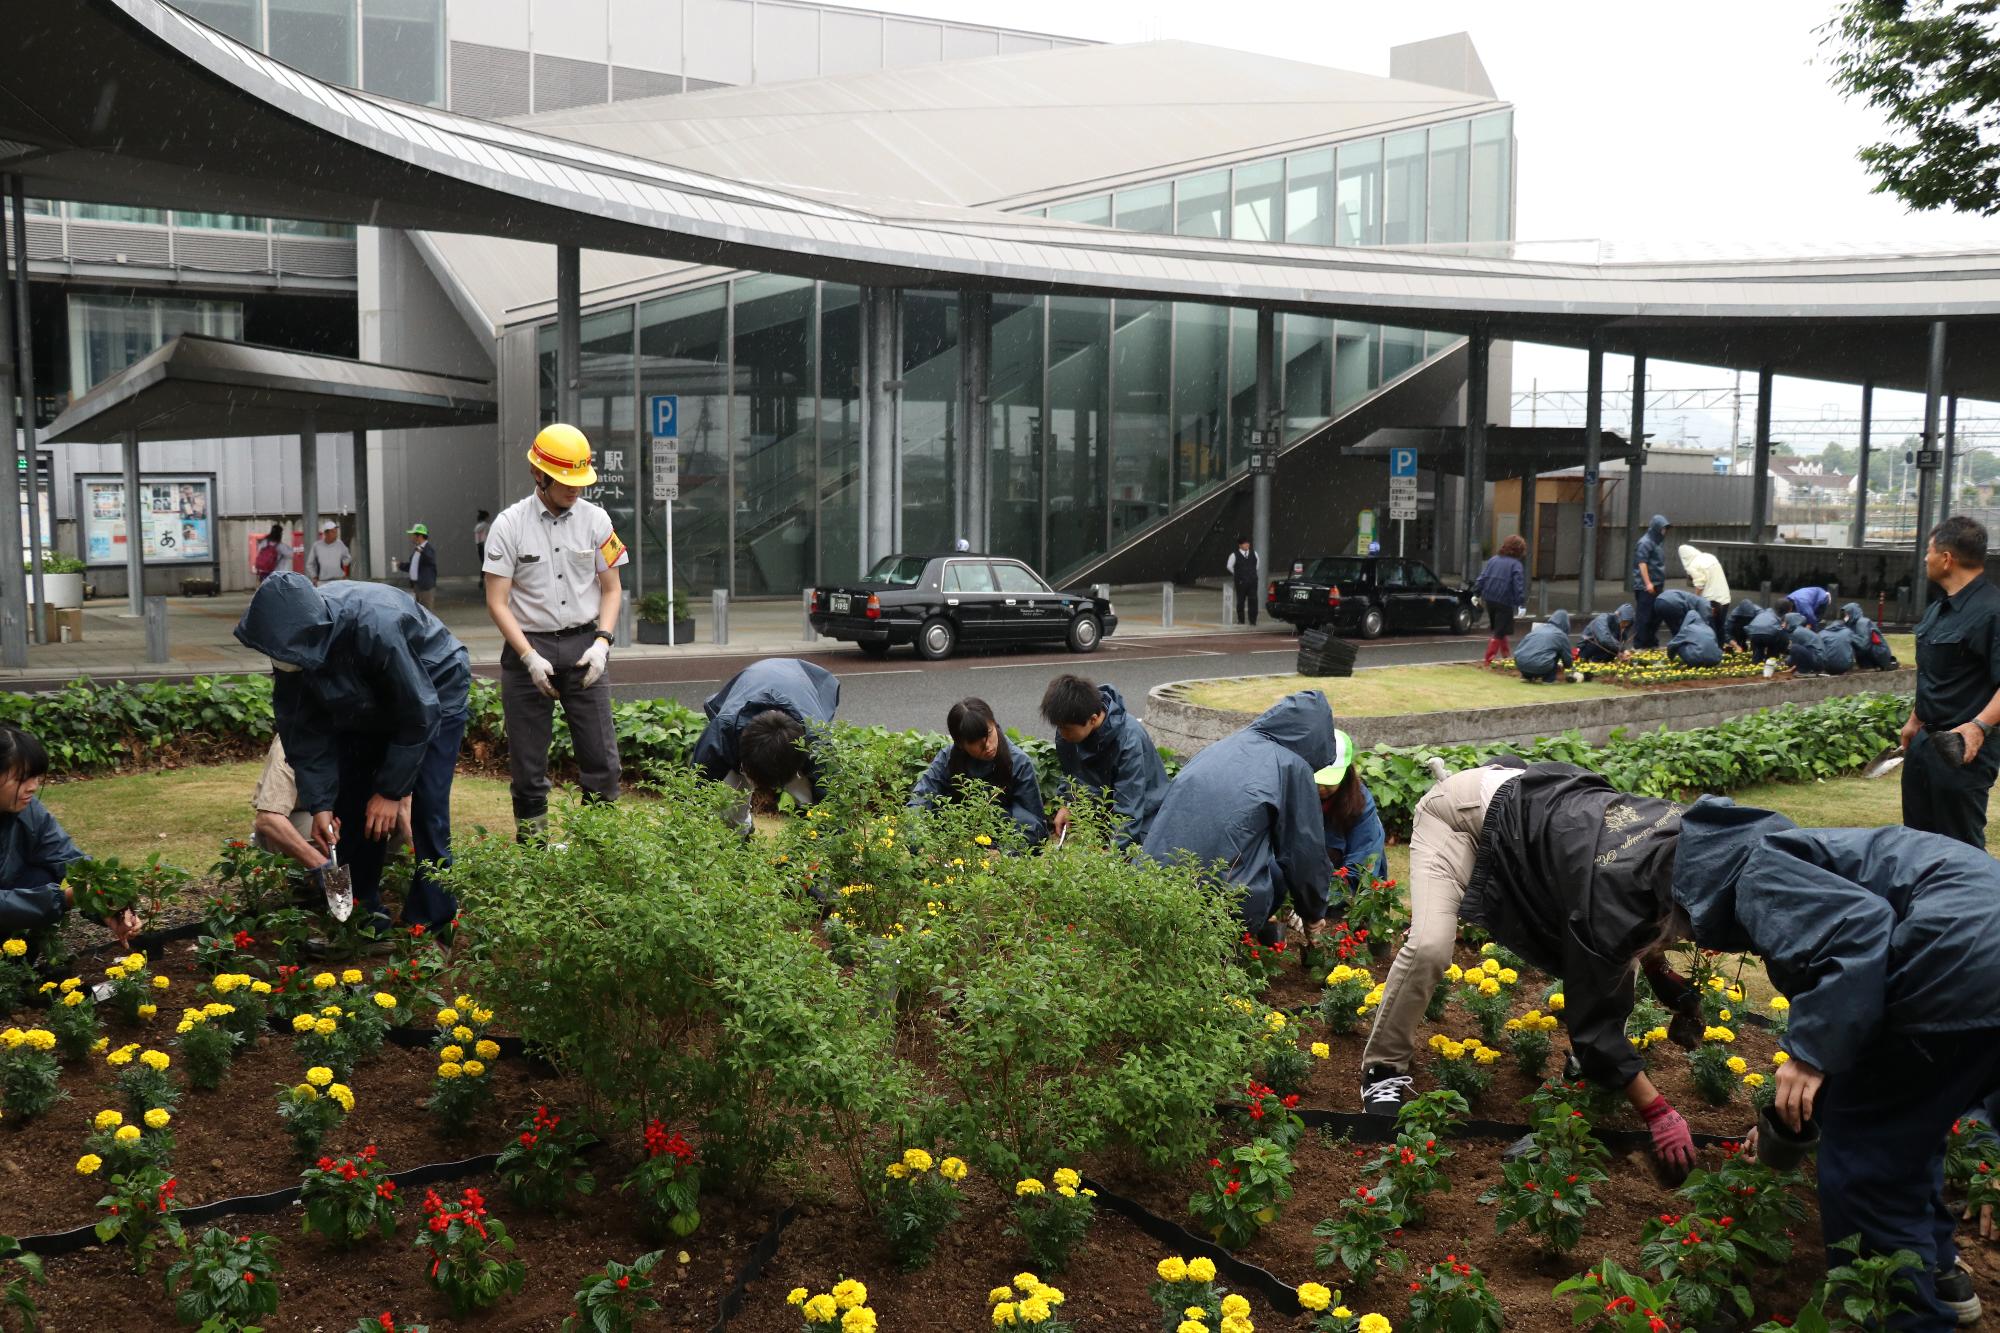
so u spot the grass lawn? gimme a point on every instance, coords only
(1383, 691)
(188, 813)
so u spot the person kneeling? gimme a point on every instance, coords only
(1545, 653)
(1694, 644)
(1607, 637)
(34, 850)
(980, 755)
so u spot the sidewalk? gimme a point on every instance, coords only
(200, 639)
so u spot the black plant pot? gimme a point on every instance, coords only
(1779, 1148)
(655, 631)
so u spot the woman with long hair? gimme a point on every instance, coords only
(34, 850)
(978, 758)
(1503, 585)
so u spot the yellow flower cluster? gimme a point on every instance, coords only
(1726, 988)
(384, 1000)
(35, 1039)
(1532, 1021)
(343, 1097)
(1321, 1051)
(1274, 1022)
(1754, 1080)
(1369, 1001)
(952, 1169)
(158, 1119)
(123, 1055)
(1029, 1302)
(1342, 972)
(14, 948)
(1650, 1037)
(1374, 1323)
(1556, 1003)
(1471, 1047)
(1717, 1034)
(1031, 1186)
(847, 1303)
(227, 982)
(88, 1164)
(1779, 1057)
(1780, 1003)
(106, 1121)
(1737, 1065)
(319, 1076)
(1198, 1269)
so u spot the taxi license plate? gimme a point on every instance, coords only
(839, 603)
(1301, 594)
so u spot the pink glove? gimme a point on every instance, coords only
(1673, 1145)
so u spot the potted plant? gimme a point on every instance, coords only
(654, 608)
(62, 579)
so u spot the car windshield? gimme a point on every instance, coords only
(899, 571)
(1334, 569)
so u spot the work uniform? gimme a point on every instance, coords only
(1545, 652)
(1958, 670)
(1670, 612)
(1871, 650)
(1649, 559)
(1736, 626)
(1694, 642)
(553, 559)
(34, 853)
(1243, 567)
(1604, 637)
(1117, 762)
(1019, 789)
(809, 694)
(1810, 602)
(1768, 635)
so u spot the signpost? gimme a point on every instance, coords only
(1402, 491)
(663, 414)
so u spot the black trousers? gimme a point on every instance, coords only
(1246, 603)
(1941, 797)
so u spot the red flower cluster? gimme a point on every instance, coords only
(166, 1199)
(244, 939)
(471, 1208)
(286, 971)
(658, 1141)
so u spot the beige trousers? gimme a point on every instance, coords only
(1444, 842)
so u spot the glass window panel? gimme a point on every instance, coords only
(1449, 154)
(1014, 430)
(1309, 198)
(1492, 178)
(1360, 205)
(839, 434)
(684, 349)
(241, 19)
(1404, 171)
(1015, 578)
(1260, 202)
(402, 49)
(1078, 429)
(108, 333)
(1242, 380)
(1141, 454)
(315, 37)
(1401, 349)
(1148, 208)
(772, 418)
(1096, 211)
(295, 227)
(117, 213)
(968, 576)
(610, 415)
(1201, 206)
(1357, 362)
(931, 430)
(46, 208)
(1308, 372)
(219, 221)
(1201, 398)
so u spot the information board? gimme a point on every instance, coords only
(176, 519)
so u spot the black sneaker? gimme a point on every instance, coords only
(1383, 1090)
(1955, 1293)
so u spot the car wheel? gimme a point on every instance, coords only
(1371, 623)
(875, 650)
(937, 639)
(1085, 634)
(1461, 620)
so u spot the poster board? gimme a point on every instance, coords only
(176, 519)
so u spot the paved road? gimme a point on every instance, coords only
(904, 691)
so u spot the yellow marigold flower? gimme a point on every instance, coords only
(1235, 1304)
(116, 972)
(319, 1076)
(983, 840)
(1489, 987)
(1023, 1188)
(1508, 976)
(260, 988)
(1555, 1006)
(1191, 1326)
(1721, 1034)
(462, 1001)
(302, 1023)
(861, 1319)
(123, 1055)
(148, 1011)
(161, 983)
(158, 1119)
(1342, 1312)
(1065, 1175)
(1314, 1297)
(1454, 973)
(1236, 1323)
(486, 1050)
(87, 1164)
(325, 981)
(1195, 1312)
(916, 1159)
(331, 1011)
(449, 1070)
(452, 1053)
(217, 1010)
(952, 1168)
(325, 1027)
(227, 982)
(1172, 1270)
(848, 1294)
(482, 1015)
(1753, 1080)
(1275, 1021)
(41, 1039)
(896, 1171)
(1339, 974)
(156, 1061)
(1486, 1055)
(351, 977)
(1723, 1016)
(343, 1096)
(1003, 1314)
(797, 1297)
(1026, 1282)
(821, 1310)
(1736, 1064)
(1034, 1309)
(999, 1294)
(99, 1046)
(1201, 1269)
(305, 1092)
(463, 1033)
(447, 1018)
(384, 1000)
(1374, 1323)
(1656, 1034)
(1053, 1295)
(473, 1068)
(46, 987)
(133, 962)
(1780, 1003)
(1491, 967)
(1735, 992)
(1779, 1057)
(107, 1120)
(15, 948)
(127, 1134)
(1322, 1051)
(70, 984)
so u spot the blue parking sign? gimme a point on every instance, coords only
(665, 412)
(1402, 462)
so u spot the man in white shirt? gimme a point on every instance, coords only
(329, 558)
(553, 588)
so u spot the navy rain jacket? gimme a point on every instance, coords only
(1804, 654)
(1736, 627)
(1835, 646)
(34, 853)
(1117, 762)
(1651, 551)
(1694, 642)
(1609, 629)
(1870, 648)
(1248, 806)
(1866, 931)
(1671, 608)
(1022, 800)
(1768, 633)
(1811, 602)
(1545, 648)
(374, 664)
(809, 693)
(1502, 581)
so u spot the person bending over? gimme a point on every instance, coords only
(34, 850)
(1355, 842)
(1103, 750)
(1607, 637)
(759, 723)
(1810, 602)
(1694, 642)
(980, 756)
(1545, 653)
(1736, 625)
(1871, 650)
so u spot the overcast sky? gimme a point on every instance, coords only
(1700, 121)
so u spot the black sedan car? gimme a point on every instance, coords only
(937, 602)
(1367, 595)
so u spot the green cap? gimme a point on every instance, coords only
(419, 530)
(1343, 759)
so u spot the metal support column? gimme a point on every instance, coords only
(975, 341)
(13, 586)
(1530, 513)
(1920, 584)
(1593, 452)
(24, 368)
(1635, 468)
(1260, 484)
(1760, 460)
(881, 361)
(135, 544)
(1859, 535)
(363, 508)
(1948, 476)
(1478, 368)
(309, 479)
(569, 335)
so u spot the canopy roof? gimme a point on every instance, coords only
(1511, 451)
(202, 388)
(131, 101)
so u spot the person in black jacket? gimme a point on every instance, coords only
(1736, 626)
(423, 567)
(981, 757)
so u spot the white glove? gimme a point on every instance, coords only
(595, 658)
(541, 673)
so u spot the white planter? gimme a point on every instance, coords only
(62, 590)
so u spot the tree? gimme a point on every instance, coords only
(1841, 458)
(1932, 68)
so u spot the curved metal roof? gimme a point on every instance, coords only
(131, 101)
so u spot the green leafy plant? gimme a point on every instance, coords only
(386, 1323)
(1529, 1043)
(224, 1280)
(466, 1246)
(143, 1078)
(1547, 1189)
(1452, 1297)
(1027, 1303)
(102, 888)
(134, 989)
(1182, 1283)
(349, 1201)
(1410, 1169)
(1698, 1253)
(1761, 1207)
(1464, 1067)
(22, 1271)
(609, 1299)
(1286, 1067)
(17, 976)
(139, 1214)
(1359, 1237)
(544, 1164)
(1612, 1300)
(914, 1203)
(1340, 1004)
(1246, 1189)
(57, 562)
(30, 1081)
(310, 1114)
(1870, 1289)
(73, 1019)
(461, 1092)
(1377, 909)
(1715, 1069)
(667, 1183)
(207, 1045)
(248, 1001)
(121, 1149)
(1053, 1221)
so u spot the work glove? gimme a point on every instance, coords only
(1673, 1144)
(595, 658)
(541, 672)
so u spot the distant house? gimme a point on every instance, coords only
(1806, 480)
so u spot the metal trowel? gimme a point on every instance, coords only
(339, 884)
(1884, 763)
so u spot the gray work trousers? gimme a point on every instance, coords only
(530, 721)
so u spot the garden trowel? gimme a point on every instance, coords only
(339, 884)
(1884, 763)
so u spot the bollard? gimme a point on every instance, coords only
(1166, 606)
(156, 629)
(621, 634)
(810, 635)
(719, 616)
(1228, 604)
(1764, 592)
(1542, 599)
(1832, 593)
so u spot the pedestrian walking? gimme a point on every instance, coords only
(553, 590)
(1649, 577)
(273, 553)
(1949, 769)
(329, 558)
(1244, 568)
(423, 567)
(1502, 586)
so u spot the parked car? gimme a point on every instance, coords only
(938, 602)
(1365, 596)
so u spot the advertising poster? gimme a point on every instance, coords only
(174, 522)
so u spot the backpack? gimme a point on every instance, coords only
(267, 559)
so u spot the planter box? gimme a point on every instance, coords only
(62, 590)
(200, 588)
(652, 631)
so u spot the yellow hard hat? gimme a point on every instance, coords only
(563, 453)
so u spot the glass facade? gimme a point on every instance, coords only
(107, 333)
(1103, 417)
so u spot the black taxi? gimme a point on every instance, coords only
(938, 602)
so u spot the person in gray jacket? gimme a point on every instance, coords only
(1736, 627)
(1803, 655)
(1248, 808)
(1607, 637)
(1103, 750)
(759, 723)
(1545, 653)
(1694, 642)
(1871, 650)
(1768, 635)
(370, 700)
(980, 758)
(1836, 649)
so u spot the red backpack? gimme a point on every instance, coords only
(267, 559)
